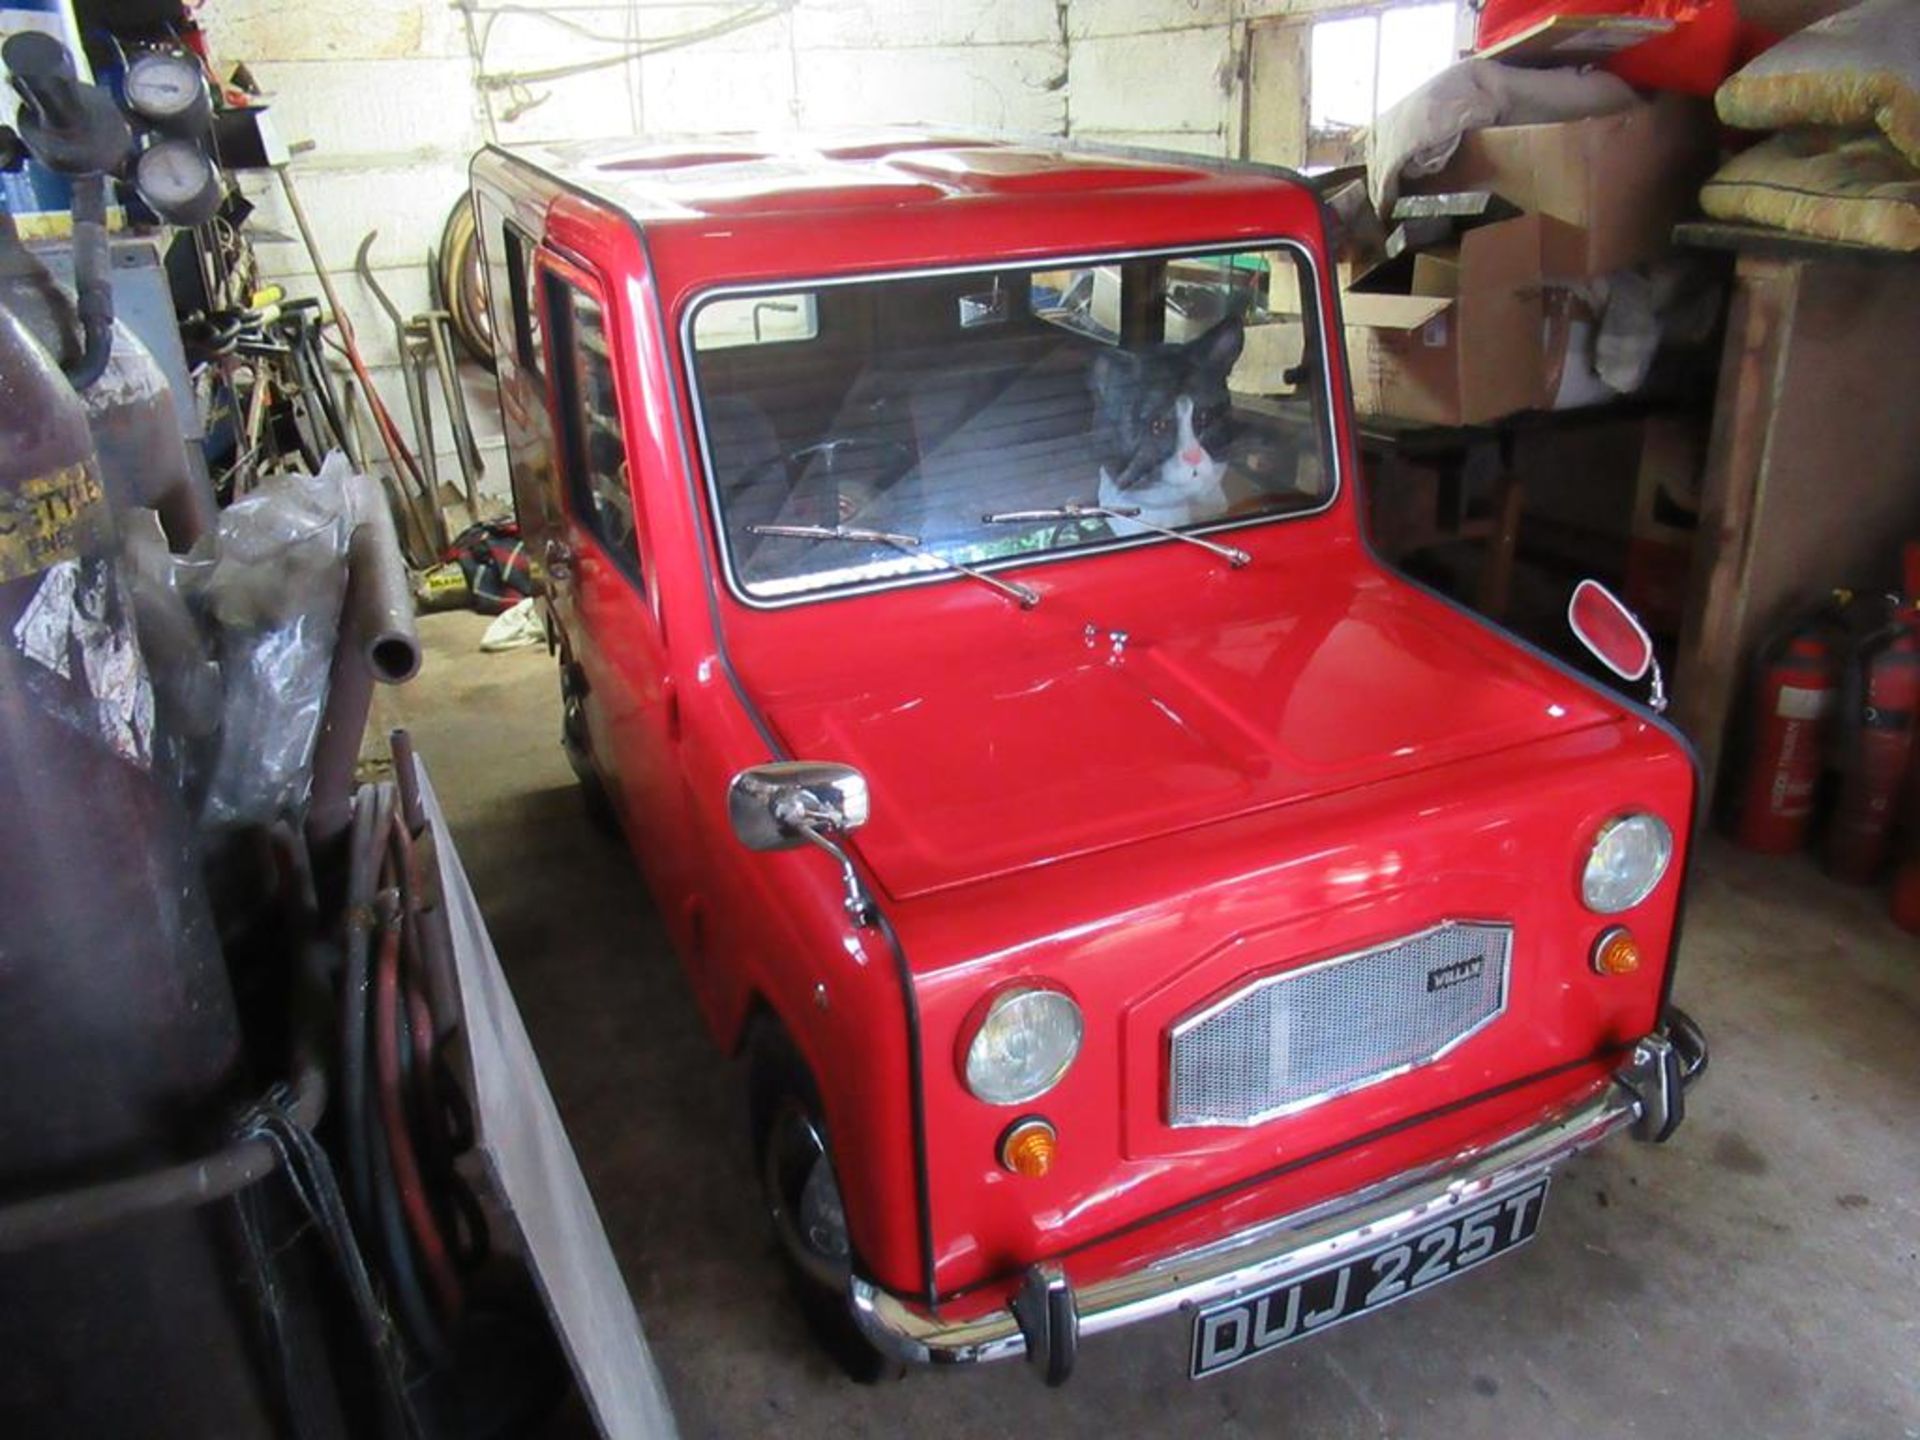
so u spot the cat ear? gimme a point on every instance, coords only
(1218, 350)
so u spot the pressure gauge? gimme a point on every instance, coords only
(178, 182)
(167, 90)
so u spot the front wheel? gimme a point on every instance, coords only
(802, 1198)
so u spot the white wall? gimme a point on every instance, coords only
(390, 94)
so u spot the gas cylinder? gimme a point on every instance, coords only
(136, 432)
(1875, 738)
(1792, 696)
(120, 1041)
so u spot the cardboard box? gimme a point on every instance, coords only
(1614, 185)
(1446, 337)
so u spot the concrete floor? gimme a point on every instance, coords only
(1757, 1277)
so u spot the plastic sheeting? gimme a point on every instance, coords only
(242, 630)
(273, 593)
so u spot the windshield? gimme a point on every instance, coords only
(1010, 414)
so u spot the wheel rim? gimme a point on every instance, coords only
(803, 1197)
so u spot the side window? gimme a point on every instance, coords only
(508, 252)
(518, 250)
(599, 484)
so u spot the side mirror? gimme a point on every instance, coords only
(772, 807)
(790, 803)
(1615, 636)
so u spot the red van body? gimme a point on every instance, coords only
(1225, 807)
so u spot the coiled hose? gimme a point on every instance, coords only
(403, 1122)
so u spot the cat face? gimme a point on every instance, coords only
(1162, 416)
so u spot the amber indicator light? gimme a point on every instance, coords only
(1616, 952)
(1027, 1148)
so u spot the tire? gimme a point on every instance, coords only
(459, 284)
(793, 1161)
(573, 740)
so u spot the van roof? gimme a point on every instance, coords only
(739, 176)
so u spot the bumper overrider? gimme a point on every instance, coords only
(1048, 1317)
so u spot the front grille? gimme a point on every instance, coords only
(1287, 1041)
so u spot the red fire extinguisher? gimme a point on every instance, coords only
(1905, 901)
(1793, 694)
(1904, 905)
(1875, 735)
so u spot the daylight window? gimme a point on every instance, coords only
(1361, 66)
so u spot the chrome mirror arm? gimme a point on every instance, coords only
(1657, 689)
(859, 904)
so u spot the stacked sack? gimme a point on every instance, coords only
(1845, 95)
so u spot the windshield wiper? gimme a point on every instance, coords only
(1073, 510)
(1023, 595)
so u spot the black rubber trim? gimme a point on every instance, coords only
(909, 996)
(1274, 1172)
(916, 1086)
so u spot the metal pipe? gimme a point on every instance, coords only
(68, 1214)
(403, 462)
(416, 355)
(425, 478)
(92, 281)
(378, 642)
(465, 450)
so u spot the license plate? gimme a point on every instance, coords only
(1237, 1330)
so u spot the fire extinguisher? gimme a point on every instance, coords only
(1881, 696)
(1904, 904)
(1905, 901)
(1795, 687)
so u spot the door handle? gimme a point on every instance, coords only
(559, 559)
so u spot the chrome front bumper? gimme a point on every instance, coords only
(1048, 1317)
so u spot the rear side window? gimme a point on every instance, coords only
(593, 446)
(508, 252)
(518, 251)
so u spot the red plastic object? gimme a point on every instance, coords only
(1880, 747)
(1793, 695)
(1709, 40)
(1905, 904)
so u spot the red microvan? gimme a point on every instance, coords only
(1132, 897)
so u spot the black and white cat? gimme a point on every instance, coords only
(1162, 420)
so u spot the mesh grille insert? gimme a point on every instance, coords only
(1288, 1041)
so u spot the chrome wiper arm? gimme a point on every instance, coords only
(1025, 596)
(1073, 510)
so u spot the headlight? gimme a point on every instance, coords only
(1026, 1041)
(1629, 855)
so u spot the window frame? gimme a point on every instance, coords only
(569, 410)
(1345, 146)
(1314, 294)
(521, 261)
